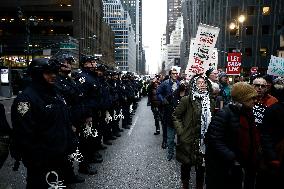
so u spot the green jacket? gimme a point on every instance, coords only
(187, 121)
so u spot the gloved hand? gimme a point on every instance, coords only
(165, 102)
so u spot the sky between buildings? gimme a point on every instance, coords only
(154, 25)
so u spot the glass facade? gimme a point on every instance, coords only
(120, 22)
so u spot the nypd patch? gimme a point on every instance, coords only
(23, 108)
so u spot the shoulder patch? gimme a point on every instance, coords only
(23, 108)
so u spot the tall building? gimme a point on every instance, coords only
(134, 8)
(173, 12)
(173, 48)
(38, 28)
(257, 37)
(125, 45)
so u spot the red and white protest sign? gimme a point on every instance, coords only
(253, 70)
(201, 49)
(234, 63)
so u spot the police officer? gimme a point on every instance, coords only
(42, 133)
(89, 144)
(105, 103)
(72, 95)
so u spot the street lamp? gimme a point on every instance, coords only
(237, 25)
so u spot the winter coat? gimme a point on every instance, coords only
(41, 126)
(187, 122)
(272, 133)
(165, 89)
(232, 144)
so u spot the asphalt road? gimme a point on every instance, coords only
(135, 160)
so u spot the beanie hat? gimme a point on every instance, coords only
(242, 92)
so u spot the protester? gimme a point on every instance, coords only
(232, 141)
(191, 119)
(171, 132)
(225, 89)
(212, 76)
(154, 102)
(164, 93)
(260, 85)
(272, 140)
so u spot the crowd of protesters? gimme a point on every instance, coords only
(232, 133)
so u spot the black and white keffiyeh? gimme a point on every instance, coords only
(205, 113)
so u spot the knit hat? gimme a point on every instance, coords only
(242, 92)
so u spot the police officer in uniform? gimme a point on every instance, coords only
(73, 96)
(42, 131)
(105, 103)
(88, 85)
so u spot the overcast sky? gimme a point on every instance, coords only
(154, 25)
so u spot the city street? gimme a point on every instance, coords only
(135, 160)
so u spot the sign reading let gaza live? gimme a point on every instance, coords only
(234, 64)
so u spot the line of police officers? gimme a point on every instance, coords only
(60, 112)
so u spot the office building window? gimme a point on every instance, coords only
(234, 12)
(251, 10)
(263, 51)
(265, 29)
(266, 10)
(249, 30)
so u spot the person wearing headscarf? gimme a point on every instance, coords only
(232, 142)
(191, 119)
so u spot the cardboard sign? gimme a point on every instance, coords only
(200, 52)
(234, 64)
(276, 66)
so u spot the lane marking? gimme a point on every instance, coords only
(131, 128)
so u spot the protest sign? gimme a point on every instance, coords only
(234, 63)
(205, 41)
(276, 66)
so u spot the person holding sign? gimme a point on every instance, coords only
(191, 119)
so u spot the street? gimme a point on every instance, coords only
(135, 160)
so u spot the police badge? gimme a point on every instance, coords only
(23, 107)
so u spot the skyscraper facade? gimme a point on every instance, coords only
(173, 12)
(125, 45)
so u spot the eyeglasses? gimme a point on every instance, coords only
(174, 73)
(259, 85)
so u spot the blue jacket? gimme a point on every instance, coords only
(165, 89)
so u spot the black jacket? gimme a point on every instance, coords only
(4, 126)
(41, 126)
